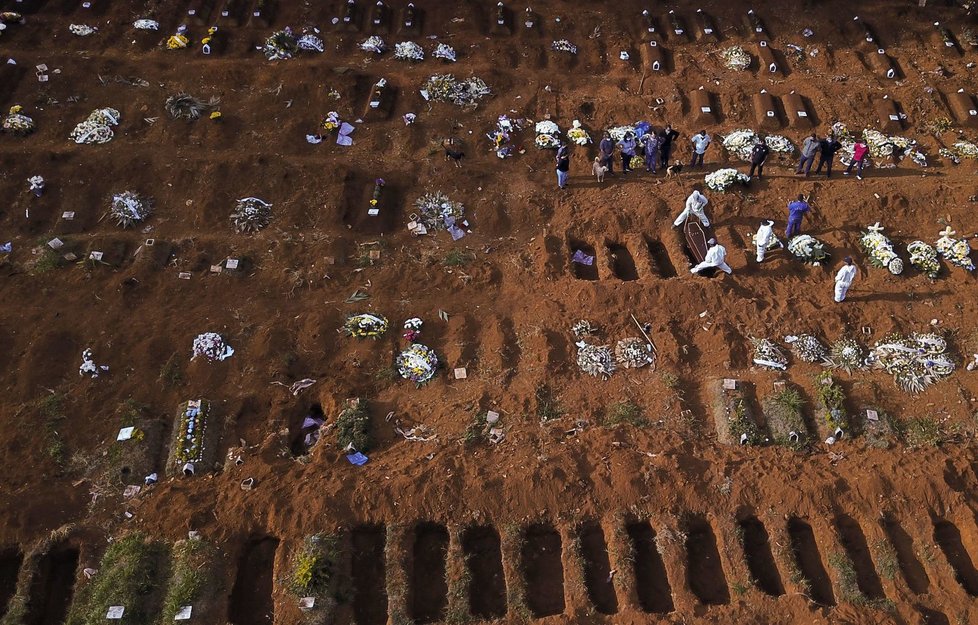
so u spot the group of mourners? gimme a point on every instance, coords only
(655, 148)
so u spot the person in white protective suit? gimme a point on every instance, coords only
(716, 256)
(695, 204)
(843, 279)
(765, 239)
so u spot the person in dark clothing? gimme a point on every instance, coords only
(607, 151)
(563, 166)
(758, 154)
(666, 137)
(826, 153)
(628, 147)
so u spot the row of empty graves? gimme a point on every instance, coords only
(626, 258)
(549, 570)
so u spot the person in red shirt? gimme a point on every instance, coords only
(860, 152)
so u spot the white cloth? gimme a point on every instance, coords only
(843, 280)
(700, 143)
(695, 204)
(716, 256)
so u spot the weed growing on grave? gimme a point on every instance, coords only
(624, 412)
(548, 408)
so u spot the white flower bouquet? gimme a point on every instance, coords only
(417, 363)
(768, 354)
(445, 88)
(548, 135)
(846, 354)
(740, 142)
(924, 258)
(211, 346)
(722, 179)
(914, 361)
(879, 249)
(578, 135)
(779, 143)
(445, 52)
(949, 155)
(735, 58)
(808, 249)
(373, 44)
(965, 149)
(955, 251)
(618, 132)
(596, 360)
(18, 123)
(807, 348)
(129, 208)
(562, 45)
(408, 51)
(97, 128)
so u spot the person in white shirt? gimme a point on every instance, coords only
(765, 239)
(695, 204)
(701, 141)
(716, 256)
(844, 278)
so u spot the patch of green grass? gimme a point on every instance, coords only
(171, 373)
(51, 406)
(739, 588)
(131, 410)
(458, 258)
(313, 566)
(353, 426)
(51, 410)
(848, 586)
(126, 576)
(47, 260)
(921, 432)
(789, 398)
(386, 375)
(670, 380)
(624, 412)
(548, 408)
(476, 431)
(886, 559)
(193, 561)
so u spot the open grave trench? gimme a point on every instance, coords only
(430, 571)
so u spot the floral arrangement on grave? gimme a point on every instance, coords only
(562, 45)
(332, 121)
(617, 133)
(251, 214)
(190, 435)
(767, 354)
(82, 30)
(365, 326)
(417, 363)
(129, 208)
(186, 106)
(832, 399)
(548, 135)
(178, 40)
(596, 360)
(808, 249)
(879, 249)
(846, 354)
(445, 88)
(807, 348)
(17, 123)
(965, 149)
(577, 134)
(955, 251)
(373, 44)
(632, 353)
(212, 347)
(722, 179)
(924, 258)
(97, 128)
(741, 142)
(408, 51)
(636, 162)
(880, 146)
(445, 52)
(915, 361)
(735, 58)
(437, 212)
(310, 42)
(378, 189)
(741, 425)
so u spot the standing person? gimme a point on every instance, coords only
(563, 166)
(666, 137)
(716, 256)
(843, 279)
(695, 204)
(827, 148)
(860, 152)
(758, 154)
(598, 169)
(796, 211)
(765, 239)
(700, 142)
(627, 146)
(808, 151)
(607, 150)
(650, 143)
